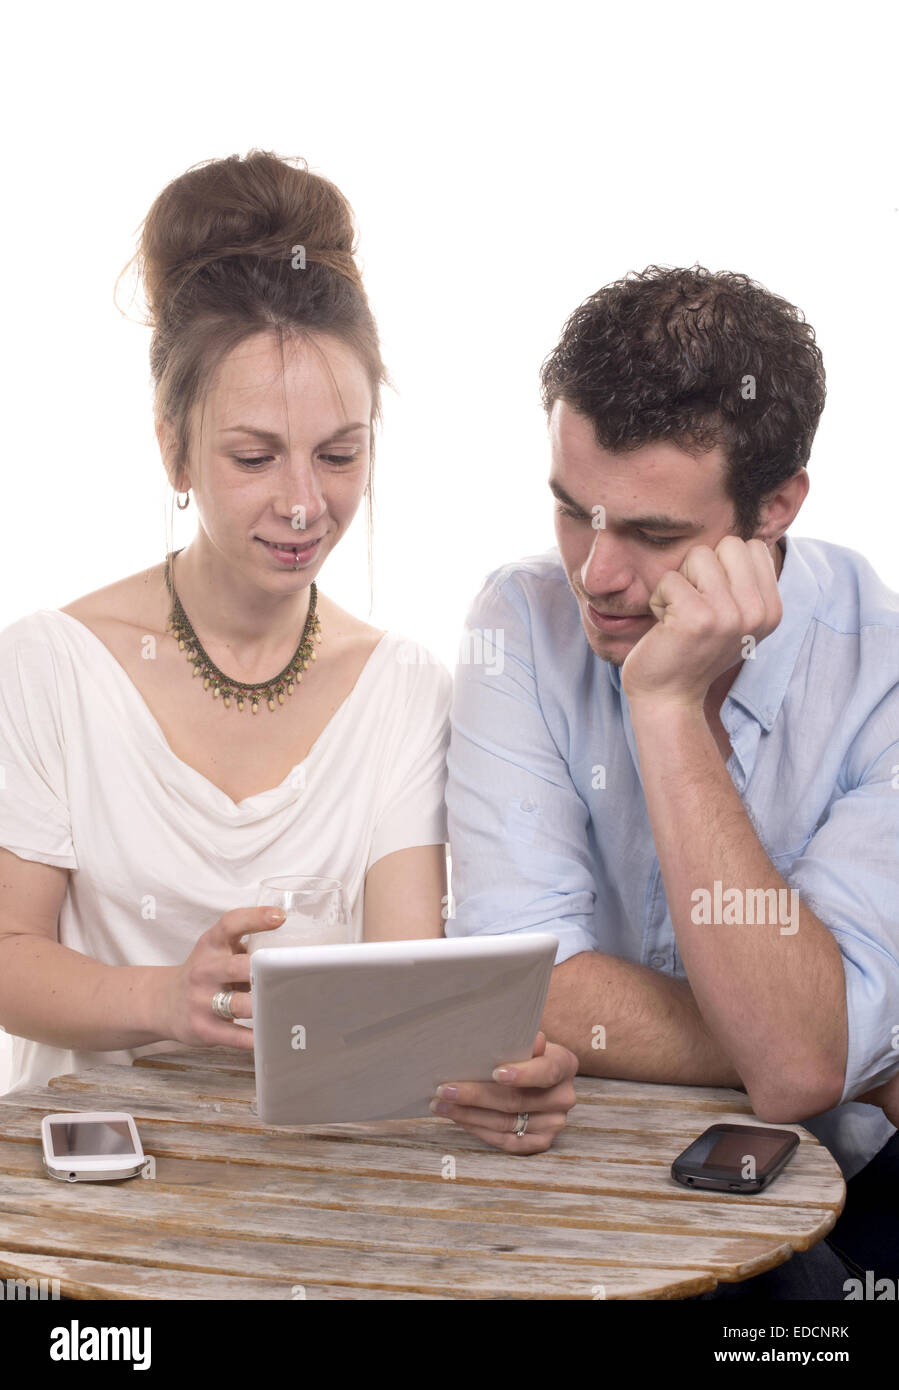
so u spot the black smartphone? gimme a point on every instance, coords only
(735, 1158)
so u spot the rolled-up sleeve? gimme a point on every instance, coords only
(517, 826)
(848, 875)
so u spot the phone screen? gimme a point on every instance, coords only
(90, 1139)
(732, 1150)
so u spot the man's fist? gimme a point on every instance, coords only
(712, 613)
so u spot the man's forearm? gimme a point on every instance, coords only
(773, 990)
(625, 1020)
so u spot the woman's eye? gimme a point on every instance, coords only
(340, 458)
(255, 462)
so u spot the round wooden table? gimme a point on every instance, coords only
(400, 1209)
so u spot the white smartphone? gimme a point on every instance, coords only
(91, 1146)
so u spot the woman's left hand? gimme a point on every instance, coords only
(541, 1087)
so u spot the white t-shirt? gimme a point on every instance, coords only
(157, 851)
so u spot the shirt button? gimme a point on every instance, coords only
(657, 959)
(528, 804)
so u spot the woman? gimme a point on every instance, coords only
(143, 804)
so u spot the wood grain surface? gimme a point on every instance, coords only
(391, 1210)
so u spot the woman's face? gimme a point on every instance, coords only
(278, 458)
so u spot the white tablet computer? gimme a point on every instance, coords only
(369, 1030)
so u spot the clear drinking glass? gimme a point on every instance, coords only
(316, 908)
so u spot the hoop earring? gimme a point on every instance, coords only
(183, 507)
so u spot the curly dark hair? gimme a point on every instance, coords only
(701, 360)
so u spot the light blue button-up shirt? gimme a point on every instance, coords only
(548, 824)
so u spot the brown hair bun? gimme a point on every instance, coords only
(260, 206)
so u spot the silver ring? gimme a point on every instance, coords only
(521, 1124)
(221, 1004)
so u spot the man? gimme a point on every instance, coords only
(680, 752)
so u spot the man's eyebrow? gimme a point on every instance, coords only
(273, 437)
(655, 522)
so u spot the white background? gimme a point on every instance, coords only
(504, 160)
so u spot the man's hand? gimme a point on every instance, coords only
(887, 1097)
(706, 611)
(540, 1087)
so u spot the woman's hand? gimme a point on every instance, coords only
(541, 1087)
(218, 961)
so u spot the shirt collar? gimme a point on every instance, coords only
(763, 679)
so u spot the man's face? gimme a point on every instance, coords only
(622, 520)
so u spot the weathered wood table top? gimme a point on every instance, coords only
(400, 1209)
